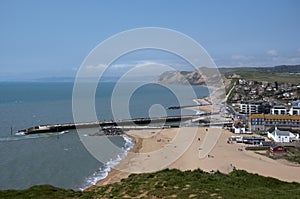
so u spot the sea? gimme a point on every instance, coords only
(60, 159)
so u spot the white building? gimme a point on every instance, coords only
(282, 136)
(279, 110)
(250, 107)
(294, 110)
(239, 130)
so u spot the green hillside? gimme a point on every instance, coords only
(284, 73)
(176, 184)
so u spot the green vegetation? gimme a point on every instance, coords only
(175, 184)
(287, 69)
(42, 191)
(295, 153)
(269, 77)
(286, 74)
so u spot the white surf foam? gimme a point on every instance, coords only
(102, 172)
(196, 101)
(21, 136)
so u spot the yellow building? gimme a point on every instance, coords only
(262, 122)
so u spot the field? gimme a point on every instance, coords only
(270, 77)
(175, 184)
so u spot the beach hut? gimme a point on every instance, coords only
(278, 149)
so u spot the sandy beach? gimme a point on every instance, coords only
(181, 148)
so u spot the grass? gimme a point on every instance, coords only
(293, 155)
(296, 154)
(270, 77)
(42, 191)
(175, 184)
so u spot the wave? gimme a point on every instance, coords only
(198, 112)
(22, 136)
(196, 101)
(104, 170)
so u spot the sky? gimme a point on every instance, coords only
(52, 38)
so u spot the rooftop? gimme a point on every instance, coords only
(282, 133)
(269, 116)
(247, 102)
(279, 107)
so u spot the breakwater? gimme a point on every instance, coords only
(112, 123)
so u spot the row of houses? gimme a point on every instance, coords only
(263, 122)
(249, 108)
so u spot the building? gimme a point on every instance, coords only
(257, 122)
(238, 129)
(281, 136)
(267, 143)
(279, 110)
(294, 110)
(263, 122)
(295, 103)
(251, 107)
(278, 149)
(252, 140)
(282, 110)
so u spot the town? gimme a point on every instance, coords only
(268, 111)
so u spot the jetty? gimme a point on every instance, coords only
(187, 106)
(116, 126)
(125, 123)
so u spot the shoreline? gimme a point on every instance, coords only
(137, 145)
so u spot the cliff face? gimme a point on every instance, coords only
(183, 77)
(201, 76)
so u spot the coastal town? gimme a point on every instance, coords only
(257, 106)
(266, 117)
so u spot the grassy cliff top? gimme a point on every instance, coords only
(175, 184)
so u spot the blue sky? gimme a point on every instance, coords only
(54, 37)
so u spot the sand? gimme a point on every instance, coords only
(187, 148)
(206, 108)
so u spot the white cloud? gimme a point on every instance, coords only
(259, 60)
(272, 53)
(121, 65)
(96, 67)
(146, 69)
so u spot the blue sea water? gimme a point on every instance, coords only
(61, 159)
